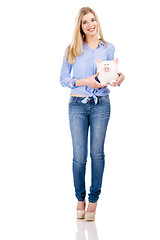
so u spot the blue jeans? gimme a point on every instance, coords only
(81, 117)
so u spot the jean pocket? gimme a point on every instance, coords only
(104, 100)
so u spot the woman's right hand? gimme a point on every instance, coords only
(90, 82)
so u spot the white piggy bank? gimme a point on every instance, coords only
(107, 70)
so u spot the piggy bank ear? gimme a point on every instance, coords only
(116, 60)
(98, 62)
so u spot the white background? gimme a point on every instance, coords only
(36, 188)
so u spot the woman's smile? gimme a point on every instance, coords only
(91, 29)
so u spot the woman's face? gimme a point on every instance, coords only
(89, 24)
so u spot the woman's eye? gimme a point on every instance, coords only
(84, 22)
(93, 19)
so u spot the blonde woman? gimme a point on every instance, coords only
(89, 105)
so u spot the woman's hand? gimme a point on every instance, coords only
(90, 82)
(118, 81)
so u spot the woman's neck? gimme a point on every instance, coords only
(91, 40)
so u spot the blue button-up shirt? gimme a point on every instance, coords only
(84, 67)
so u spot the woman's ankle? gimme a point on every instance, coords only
(91, 207)
(80, 205)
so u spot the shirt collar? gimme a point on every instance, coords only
(100, 44)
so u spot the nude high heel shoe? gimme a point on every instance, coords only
(81, 213)
(90, 216)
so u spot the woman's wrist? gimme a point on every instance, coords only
(80, 82)
(73, 82)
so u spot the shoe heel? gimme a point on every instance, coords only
(80, 214)
(90, 216)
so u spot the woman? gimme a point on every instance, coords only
(89, 105)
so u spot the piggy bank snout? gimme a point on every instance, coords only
(106, 68)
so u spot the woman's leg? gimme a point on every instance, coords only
(98, 125)
(79, 131)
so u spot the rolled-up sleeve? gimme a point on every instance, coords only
(65, 75)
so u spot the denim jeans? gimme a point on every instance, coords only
(83, 117)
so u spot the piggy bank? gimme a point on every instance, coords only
(107, 70)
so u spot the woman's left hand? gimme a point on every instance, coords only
(119, 80)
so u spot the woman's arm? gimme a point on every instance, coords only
(65, 78)
(89, 82)
(65, 75)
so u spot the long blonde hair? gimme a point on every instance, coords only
(76, 46)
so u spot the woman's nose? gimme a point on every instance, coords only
(90, 24)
